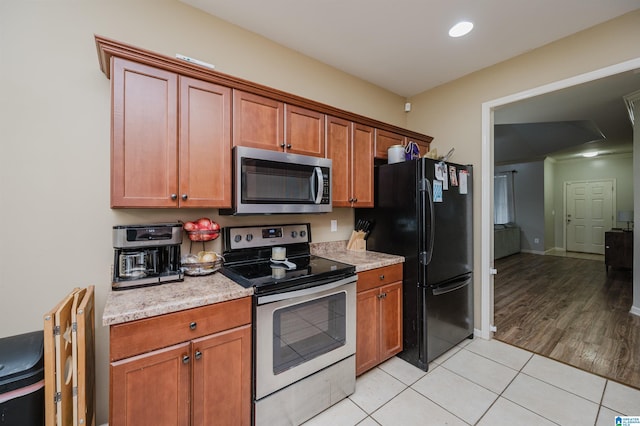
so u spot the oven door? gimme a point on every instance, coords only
(303, 331)
(277, 182)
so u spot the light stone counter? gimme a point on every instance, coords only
(362, 260)
(128, 305)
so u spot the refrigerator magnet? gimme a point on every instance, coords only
(453, 175)
(464, 174)
(440, 171)
(437, 191)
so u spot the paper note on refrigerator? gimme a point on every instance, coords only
(464, 174)
(437, 191)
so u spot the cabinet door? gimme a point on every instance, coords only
(362, 164)
(384, 140)
(391, 320)
(423, 145)
(367, 330)
(144, 139)
(205, 144)
(151, 389)
(339, 151)
(222, 378)
(257, 121)
(305, 131)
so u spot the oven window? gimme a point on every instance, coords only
(307, 330)
(268, 182)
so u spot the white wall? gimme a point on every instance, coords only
(636, 210)
(549, 204)
(528, 183)
(618, 167)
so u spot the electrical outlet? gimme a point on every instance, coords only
(334, 225)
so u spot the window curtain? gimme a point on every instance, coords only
(504, 210)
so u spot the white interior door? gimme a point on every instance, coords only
(589, 213)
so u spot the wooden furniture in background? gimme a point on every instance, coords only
(618, 249)
(379, 316)
(197, 361)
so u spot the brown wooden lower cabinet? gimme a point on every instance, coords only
(379, 316)
(202, 380)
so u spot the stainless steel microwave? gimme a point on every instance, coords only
(270, 182)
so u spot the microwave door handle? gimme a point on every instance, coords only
(319, 184)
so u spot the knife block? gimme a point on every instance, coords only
(357, 242)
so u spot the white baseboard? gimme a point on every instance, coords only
(557, 249)
(531, 251)
(635, 310)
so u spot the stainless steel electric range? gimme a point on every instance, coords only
(304, 315)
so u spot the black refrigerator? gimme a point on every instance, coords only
(423, 211)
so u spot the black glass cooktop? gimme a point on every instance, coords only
(266, 276)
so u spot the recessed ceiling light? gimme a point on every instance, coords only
(460, 29)
(590, 154)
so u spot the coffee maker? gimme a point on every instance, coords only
(146, 255)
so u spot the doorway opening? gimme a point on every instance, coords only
(488, 271)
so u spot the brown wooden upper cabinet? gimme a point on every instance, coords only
(171, 139)
(261, 122)
(385, 139)
(350, 147)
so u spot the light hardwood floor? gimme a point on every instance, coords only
(569, 310)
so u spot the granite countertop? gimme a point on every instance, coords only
(362, 260)
(128, 305)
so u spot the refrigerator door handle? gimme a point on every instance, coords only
(431, 235)
(453, 285)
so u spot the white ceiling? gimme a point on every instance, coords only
(403, 45)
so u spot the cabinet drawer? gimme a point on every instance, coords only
(380, 276)
(141, 336)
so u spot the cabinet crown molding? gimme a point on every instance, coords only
(108, 48)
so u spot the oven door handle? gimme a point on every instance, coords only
(305, 291)
(319, 184)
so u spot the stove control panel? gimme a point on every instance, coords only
(268, 235)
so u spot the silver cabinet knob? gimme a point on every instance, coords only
(193, 325)
(184, 197)
(174, 197)
(198, 355)
(185, 359)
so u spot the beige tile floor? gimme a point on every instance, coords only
(482, 382)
